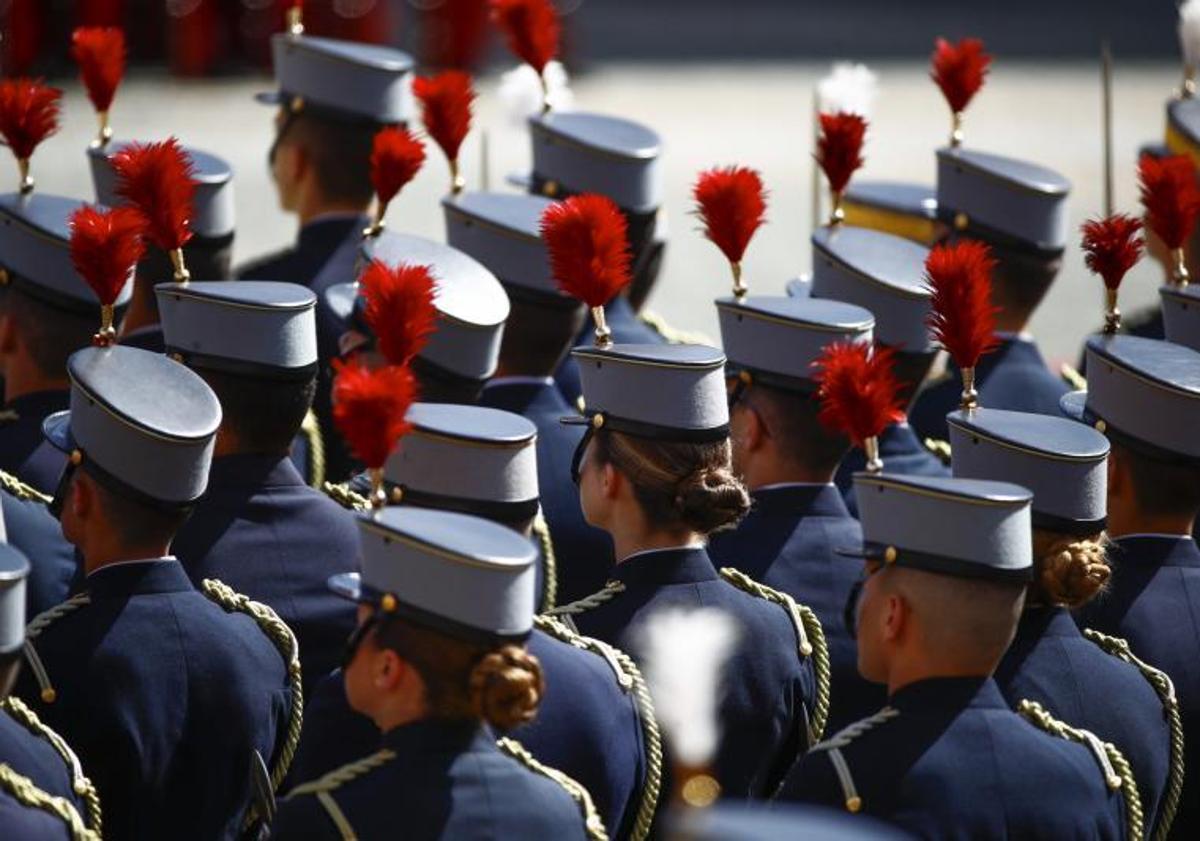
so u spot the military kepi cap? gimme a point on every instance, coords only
(774, 340)
(1003, 200)
(669, 392)
(1181, 314)
(254, 328)
(1064, 464)
(1143, 394)
(213, 216)
(14, 573)
(466, 458)
(341, 79)
(900, 208)
(140, 423)
(35, 252)
(460, 575)
(882, 273)
(967, 528)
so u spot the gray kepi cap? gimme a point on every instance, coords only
(460, 575)
(140, 423)
(1064, 464)
(1181, 314)
(968, 528)
(14, 572)
(253, 328)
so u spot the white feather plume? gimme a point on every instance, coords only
(1189, 31)
(521, 92)
(684, 652)
(849, 87)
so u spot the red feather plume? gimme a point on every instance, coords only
(962, 317)
(959, 70)
(396, 158)
(370, 407)
(586, 236)
(100, 53)
(28, 114)
(446, 108)
(105, 246)
(399, 308)
(839, 148)
(531, 29)
(858, 390)
(732, 203)
(158, 179)
(1170, 197)
(1112, 246)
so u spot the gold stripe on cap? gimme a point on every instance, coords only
(488, 443)
(952, 497)
(916, 294)
(556, 137)
(1008, 445)
(445, 554)
(744, 309)
(626, 360)
(1155, 384)
(501, 230)
(142, 430)
(919, 229)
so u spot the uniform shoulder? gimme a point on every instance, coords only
(828, 771)
(563, 787)
(311, 809)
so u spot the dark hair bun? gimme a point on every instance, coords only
(506, 687)
(710, 499)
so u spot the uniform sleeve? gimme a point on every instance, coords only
(812, 780)
(303, 818)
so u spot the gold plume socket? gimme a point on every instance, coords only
(700, 791)
(871, 451)
(1179, 271)
(739, 286)
(956, 130)
(182, 275)
(295, 20)
(107, 334)
(378, 495)
(376, 227)
(105, 133)
(838, 214)
(457, 182)
(1187, 88)
(1112, 318)
(26, 186)
(970, 397)
(604, 339)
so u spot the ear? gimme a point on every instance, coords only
(610, 481)
(388, 670)
(895, 617)
(749, 427)
(81, 495)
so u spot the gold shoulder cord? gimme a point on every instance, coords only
(541, 531)
(1117, 773)
(1071, 376)
(82, 786)
(285, 641)
(672, 335)
(310, 428)
(810, 641)
(629, 678)
(591, 818)
(12, 485)
(335, 779)
(1165, 690)
(25, 792)
(607, 593)
(341, 494)
(939, 448)
(34, 629)
(832, 748)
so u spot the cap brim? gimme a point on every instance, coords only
(860, 553)
(57, 430)
(348, 585)
(269, 97)
(519, 179)
(575, 420)
(1072, 404)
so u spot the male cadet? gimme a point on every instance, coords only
(592, 723)
(259, 528)
(29, 527)
(1145, 396)
(947, 561)
(502, 231)
(171, 695)
(35, 763)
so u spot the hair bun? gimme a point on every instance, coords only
(710, 499)
(1074, 571)
(506, 687)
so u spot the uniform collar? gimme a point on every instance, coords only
(438, 735)
(1040, 621)
(253, 470)
(947, 693)
(126, 578)
(683, 565)
(809, 500)
(327, 230)
(40, 404)
(1173, 550)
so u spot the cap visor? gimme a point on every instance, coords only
(859, 552)
(268, 97)
(519, 179)
(1072, 404)
(348, 585)
(57, 430)
(574, 420)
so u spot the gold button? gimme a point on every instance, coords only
(49, 695)
(853, 804)
(746, 377)
(550, 189)
(889, 555)
(1101, 426)
(397, 495)
(961, 221)
(76, 457)
(388, 603)
(597, 421)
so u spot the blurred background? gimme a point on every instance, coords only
(722, 82)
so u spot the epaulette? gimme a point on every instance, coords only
(1116, 770)
(833, 748)
(1160, 681)
(322, 787)
(810, 641)
(341, 493)
(541, 532)
(1071, 376)
(15, 487)
(939, 448)
(80, 784)
(672, 335)
(34, 629)
(592, 823)
(24, 791)
(629, 679)
(310, 428)
(607, 593)
(284, 640)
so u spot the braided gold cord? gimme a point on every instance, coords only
(606, 594)
(310, 428)
(541, 530)
(1072, 377)
(285, 641)
(341, 494)
(592, 823)
(25, 792)
(12, 485)
(672, 335)
(1165, 690)
(939, 448)
(634, 681)
(1034, 713)
(808, 627)
(340, 776)
(83, 786)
